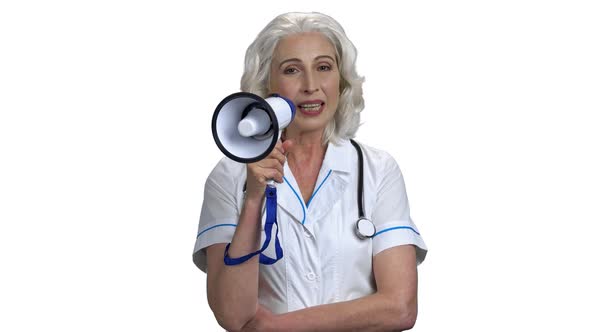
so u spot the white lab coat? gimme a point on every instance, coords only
(324, 260)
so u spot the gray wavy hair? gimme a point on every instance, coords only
(256, 76)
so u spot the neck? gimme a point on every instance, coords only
(307, 151)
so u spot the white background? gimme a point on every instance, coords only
(105, 145)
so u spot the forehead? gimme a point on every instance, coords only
(304, 46)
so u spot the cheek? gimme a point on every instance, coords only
(286, 88)
(333, 89)
(278, 83)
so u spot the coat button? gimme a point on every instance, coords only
(311, 276)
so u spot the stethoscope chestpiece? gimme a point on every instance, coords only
(365, 229)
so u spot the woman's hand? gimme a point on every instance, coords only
(269, 168)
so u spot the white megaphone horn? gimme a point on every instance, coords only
(246, 127)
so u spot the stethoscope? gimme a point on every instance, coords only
(365, 228)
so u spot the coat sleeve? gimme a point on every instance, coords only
(391, 213)
(220, 211)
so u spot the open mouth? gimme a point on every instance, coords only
(311, 108)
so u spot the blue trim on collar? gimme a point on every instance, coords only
(299, 198)
(321, 184)
(394, 228)
(214, 227)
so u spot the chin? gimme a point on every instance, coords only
(308, 127)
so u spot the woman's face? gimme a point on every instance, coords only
(304, 69)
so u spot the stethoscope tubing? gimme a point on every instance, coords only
(365, 228)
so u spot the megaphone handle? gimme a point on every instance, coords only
(272, 183)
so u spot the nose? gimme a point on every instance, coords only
(309, 84)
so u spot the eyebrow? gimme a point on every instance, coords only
(299, 60)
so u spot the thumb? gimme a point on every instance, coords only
(287, 145)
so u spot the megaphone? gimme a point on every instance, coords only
(246, 127)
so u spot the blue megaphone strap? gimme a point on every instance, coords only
(271, 219)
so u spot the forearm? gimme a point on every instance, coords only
(371, 313)
(233, 289)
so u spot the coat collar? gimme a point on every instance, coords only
(338, 157)
(333, 177)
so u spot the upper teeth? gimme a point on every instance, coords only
(311, 105)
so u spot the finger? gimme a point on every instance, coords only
(277, 176)
(271, 163)
(280, 156)
(273, 174)
(268, 169)
(276, 173)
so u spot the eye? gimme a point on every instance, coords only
(290, 70)
(325, 68)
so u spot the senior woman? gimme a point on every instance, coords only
(330, 278)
